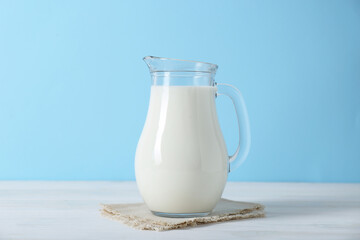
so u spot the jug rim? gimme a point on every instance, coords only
(211, 67)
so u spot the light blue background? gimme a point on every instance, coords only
(74, 90)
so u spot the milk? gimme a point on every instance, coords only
(181, 160)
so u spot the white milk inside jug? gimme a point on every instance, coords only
(181, 160)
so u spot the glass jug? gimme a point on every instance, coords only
(181, 161)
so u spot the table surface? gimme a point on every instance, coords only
(70, 210)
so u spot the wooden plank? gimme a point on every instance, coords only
(70, 210)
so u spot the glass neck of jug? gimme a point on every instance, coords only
(175, 72)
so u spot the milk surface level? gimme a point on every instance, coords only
(181, 159)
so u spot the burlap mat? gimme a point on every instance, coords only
(138, 216)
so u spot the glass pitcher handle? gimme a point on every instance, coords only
(243, 148)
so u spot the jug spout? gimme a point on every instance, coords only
(161, 64)
(148, 60)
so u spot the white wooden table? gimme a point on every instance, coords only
(70, 210)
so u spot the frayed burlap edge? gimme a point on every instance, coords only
(151, 224)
